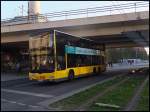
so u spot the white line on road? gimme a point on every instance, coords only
(25, 84)
(33, 106)
(22, 104)
(27, 93)
(8, 101)
(3, 100)
(12, 102)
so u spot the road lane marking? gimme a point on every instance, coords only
(22, 104)
(25, 84)
(33, 106)
(27, 93)
(8, 101)
(12, 102)
(3, 100)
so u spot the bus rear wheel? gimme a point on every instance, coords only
(71, 75)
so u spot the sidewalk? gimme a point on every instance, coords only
(125, 66)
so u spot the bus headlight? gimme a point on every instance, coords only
(133, 71)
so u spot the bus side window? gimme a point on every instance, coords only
(78, 61)
(61, 62)
(72, 60)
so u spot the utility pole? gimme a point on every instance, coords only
(28, 11)
(22, 9)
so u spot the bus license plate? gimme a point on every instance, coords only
(40, 80)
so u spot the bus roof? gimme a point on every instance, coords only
(73, 35)
(42, 33)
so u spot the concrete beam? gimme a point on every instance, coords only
(16, 37)
(89, 32)
(111, 30)
(79, 22)
(123, 45)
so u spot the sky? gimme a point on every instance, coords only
(10, 9)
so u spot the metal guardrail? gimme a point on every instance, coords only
(48, 16)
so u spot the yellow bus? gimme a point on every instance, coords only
(56, 55)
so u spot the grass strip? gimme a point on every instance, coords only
(81, 97)
(118, 96)
(143, 104)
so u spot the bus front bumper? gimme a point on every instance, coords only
(41, 77)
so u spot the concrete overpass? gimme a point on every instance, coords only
(119, 30)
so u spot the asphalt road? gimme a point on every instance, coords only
(26, 95)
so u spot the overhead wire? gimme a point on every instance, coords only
(22, 8)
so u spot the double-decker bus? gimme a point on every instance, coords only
(56, 55)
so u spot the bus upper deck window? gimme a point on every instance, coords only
(51, 40)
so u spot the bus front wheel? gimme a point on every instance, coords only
(71, 75)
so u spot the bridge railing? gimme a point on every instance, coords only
(80, 13)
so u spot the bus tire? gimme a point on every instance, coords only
(94, 70)
(71, 75)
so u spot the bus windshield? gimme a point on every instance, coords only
(41, 54)
(42, 63)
